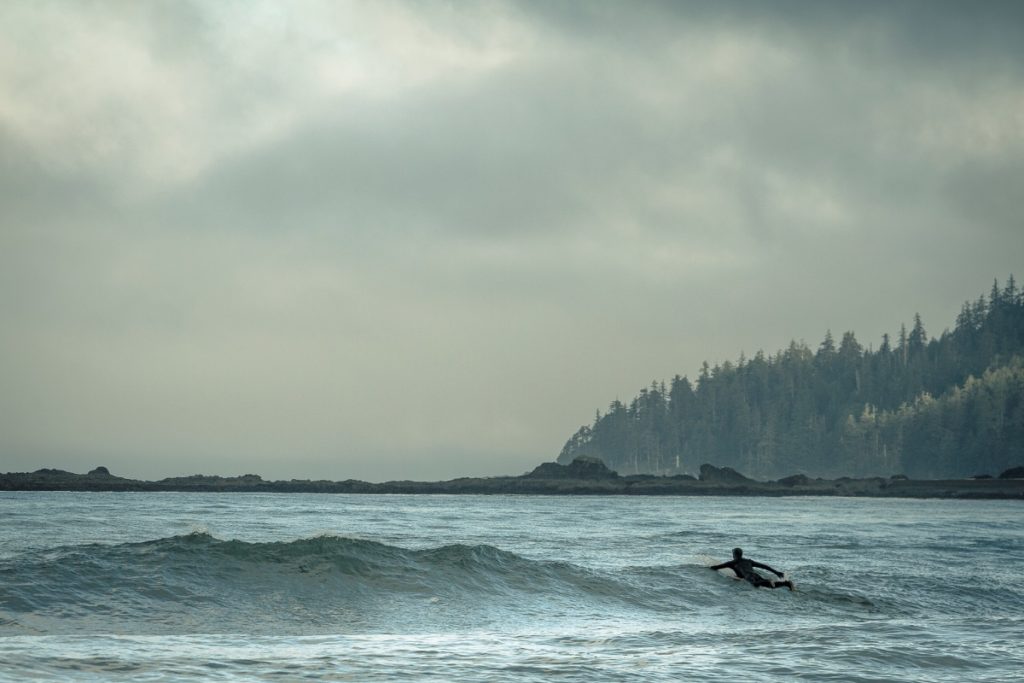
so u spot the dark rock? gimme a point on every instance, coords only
(100, 471)
(48, 472)
(583, 467)
(1013, 473)
(722, 475)
(547, 470)
(982, 476)
(795, 480)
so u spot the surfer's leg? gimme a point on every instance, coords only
(762, 582)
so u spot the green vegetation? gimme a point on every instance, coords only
(949, 406)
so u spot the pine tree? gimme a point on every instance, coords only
(918, 338)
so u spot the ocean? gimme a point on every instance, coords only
(319, 587)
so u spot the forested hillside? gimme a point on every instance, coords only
(945, 406)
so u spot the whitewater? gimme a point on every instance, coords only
(320, 587)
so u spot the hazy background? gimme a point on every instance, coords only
(421, 240)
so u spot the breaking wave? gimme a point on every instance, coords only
(198, 583)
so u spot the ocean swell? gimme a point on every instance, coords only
(198, 583)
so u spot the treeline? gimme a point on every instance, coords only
(927, 407)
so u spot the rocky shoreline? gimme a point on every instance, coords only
(584, 476)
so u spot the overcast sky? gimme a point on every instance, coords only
(421, 240)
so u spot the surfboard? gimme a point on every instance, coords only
(728, 573)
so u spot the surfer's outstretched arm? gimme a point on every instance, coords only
(764, 566)
(724, 565)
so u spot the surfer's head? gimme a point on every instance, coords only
(737, 553)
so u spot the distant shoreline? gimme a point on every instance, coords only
(579, 478)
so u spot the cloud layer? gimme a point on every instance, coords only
(419, 239)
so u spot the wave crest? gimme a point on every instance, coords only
(307, 585)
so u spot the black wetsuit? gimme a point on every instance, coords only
(744, 569)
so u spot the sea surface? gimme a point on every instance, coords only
(311, 587)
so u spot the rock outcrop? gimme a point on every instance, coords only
(583, 467)
(1013, 473)
(795, 480)
(722, 475)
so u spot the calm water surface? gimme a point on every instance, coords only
(308, 587)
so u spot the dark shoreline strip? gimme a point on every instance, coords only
(1006, 489)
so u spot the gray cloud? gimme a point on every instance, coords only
(391, 239)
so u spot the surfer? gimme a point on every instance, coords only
(744, 569)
